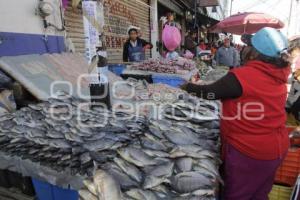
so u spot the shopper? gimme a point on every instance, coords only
(246, 49)
(293, 103)
(202, 45)
(134, 48)
(190, 42)
(171, 21)
(227, 55)
(254, 138)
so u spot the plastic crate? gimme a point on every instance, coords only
(117, 68)
(168, 80)
(46, 191)
(280, 193)
(288, 172)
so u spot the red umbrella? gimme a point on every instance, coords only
(246, 23)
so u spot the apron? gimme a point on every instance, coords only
(136, 54)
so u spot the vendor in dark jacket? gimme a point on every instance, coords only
(253, 133)
(134, 48)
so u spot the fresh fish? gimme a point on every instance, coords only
(187, 182)
(156, 132)
(165, 170)
(58, 143)
(153, 181)
(73, 138)
(85, 158)
(136, 156)
(122, 178)
(86, 195)
(91, 187)
(180, 138)
(151, 143)
(99, 145)
(139, 194)
(129, 169)
(186, 150)
(154, 153)
(184, 164)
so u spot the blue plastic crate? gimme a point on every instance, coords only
(117, 68)
(46, 191)
(168, 80)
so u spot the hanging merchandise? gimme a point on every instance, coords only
(75, 3)
(74, 29)
(171, 37)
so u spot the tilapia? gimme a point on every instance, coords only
(136, 156)
(91, 187)
(122, 178)
(187, 182)
(99, 145)
(86, 195)
(139, 194)
(132, 171)
(184, 164)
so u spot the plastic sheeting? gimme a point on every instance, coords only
(43, 75)
(62, 179)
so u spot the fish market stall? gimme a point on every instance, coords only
(169, 152)
(144, 157)
(172, 72)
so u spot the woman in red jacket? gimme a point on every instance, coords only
(254, 137)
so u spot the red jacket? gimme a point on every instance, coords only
(255, 122)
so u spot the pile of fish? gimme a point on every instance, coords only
(215, 74)
(166, 66)
(120, 155)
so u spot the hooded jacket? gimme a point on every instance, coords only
(254, 123)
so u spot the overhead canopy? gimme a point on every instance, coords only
(40, 74)
(246, 23)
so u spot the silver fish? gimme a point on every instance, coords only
(184, 164)
(136, 156)
(187, 182)
(129, 169)
(99, 145)
(107, 187)
(86, 195)
(139, 194)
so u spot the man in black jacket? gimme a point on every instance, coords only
(134, 48)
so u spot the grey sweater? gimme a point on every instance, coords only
(227, 56)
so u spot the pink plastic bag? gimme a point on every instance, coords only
(65, 3)
(171, 37)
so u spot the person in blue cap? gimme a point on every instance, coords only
(254, 137)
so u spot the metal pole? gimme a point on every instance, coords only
(230, 7)
(290, 16)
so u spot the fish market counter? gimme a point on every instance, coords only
(116, 155)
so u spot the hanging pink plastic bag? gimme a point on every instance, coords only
(65, 3)
(171, 37)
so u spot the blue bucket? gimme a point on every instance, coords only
(46, 191)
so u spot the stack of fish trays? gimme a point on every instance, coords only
(280, 193)
(47, 191)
